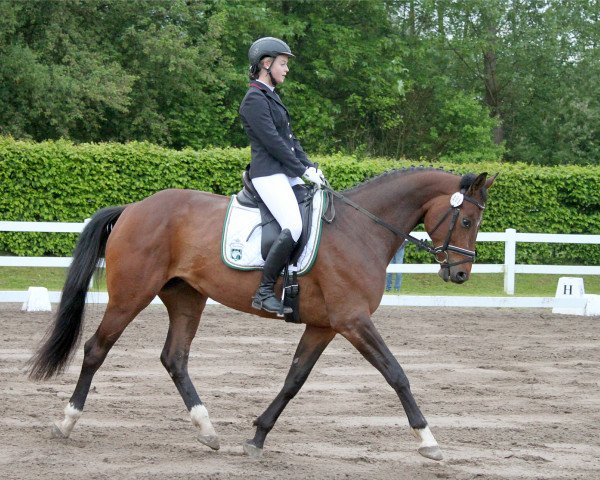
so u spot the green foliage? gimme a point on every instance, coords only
(57, 78)
(173, 72)
(447, 81)
(533, 64)
(62, 182)
(58, 181)
(91, 70)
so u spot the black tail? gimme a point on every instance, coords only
(60, 342)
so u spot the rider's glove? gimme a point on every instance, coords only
(312, 175)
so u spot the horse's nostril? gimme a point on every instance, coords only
(461, 276)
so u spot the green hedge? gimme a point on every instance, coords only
(60, 181)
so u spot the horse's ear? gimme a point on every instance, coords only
(490, 180)
(477, 184)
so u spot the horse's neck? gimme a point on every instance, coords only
(398, 194)
(400, 199)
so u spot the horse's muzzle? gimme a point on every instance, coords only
(453, 274)
(460, 276)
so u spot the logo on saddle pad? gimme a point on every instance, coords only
(235, 250)
(241, 241)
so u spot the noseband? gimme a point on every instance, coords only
(456, 201)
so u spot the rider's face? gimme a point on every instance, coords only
(279, 68)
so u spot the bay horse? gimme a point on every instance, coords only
(169, 245)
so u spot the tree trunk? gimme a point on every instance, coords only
(412, 20)
(492, 89)
(439, 7)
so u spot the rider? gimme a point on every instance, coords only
(278, 160)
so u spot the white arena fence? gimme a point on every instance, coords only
(510, 237)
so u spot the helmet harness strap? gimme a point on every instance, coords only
(273, 81)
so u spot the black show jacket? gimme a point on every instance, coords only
(274, 148)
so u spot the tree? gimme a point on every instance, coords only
(55, 79)
(414, 78)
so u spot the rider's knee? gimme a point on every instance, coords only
(296, 230)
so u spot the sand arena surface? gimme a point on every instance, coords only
(509, 394)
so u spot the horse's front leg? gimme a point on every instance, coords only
(361, 332)
(311, 345)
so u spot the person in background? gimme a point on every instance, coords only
(398, 258)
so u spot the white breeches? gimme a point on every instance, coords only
(276, 191)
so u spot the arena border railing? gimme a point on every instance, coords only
(510, 237)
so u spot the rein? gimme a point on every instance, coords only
(455, 203)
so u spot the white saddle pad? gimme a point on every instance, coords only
(241, 251)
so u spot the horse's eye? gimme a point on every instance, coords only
(466, 223)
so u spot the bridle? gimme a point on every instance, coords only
(456, 201)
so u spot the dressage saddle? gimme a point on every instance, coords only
(249, 197)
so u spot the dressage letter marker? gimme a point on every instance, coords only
(38, 300)
(570, 296)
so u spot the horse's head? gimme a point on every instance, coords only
(452, 221)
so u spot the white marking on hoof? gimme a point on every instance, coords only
(211, 441)
(56, 432)
(252, 450)
(429, 447)
(208, 435)
(64, 428)
(433, 453)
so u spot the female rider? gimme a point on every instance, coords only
(278, 160)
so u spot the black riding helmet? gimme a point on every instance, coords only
(266, 47)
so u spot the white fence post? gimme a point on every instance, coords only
(510, 256)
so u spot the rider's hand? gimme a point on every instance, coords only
(323, 179)
(312, 175)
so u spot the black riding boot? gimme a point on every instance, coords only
(264, 298)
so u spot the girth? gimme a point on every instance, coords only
(270, 230)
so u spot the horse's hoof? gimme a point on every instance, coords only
(56, 432)
(433, 453)
(211, 441)
(252, 450)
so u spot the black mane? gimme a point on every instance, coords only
(403, 171)
(465, 182)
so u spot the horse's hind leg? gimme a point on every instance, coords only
(185, 306)
(116, 318)
(311, 345)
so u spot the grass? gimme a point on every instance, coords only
(491, 285)
(482, 284)
(20, 278)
